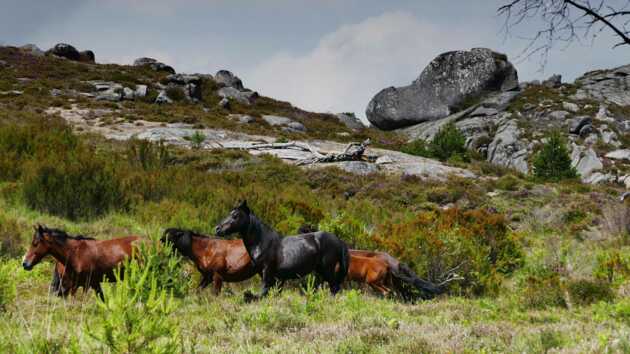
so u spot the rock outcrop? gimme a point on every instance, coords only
(154, 65)
(64, 50)
(607, 86)
(444, 86)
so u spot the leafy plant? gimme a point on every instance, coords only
(552, 162)
(448, 142)
(197, 140)
(134, 316)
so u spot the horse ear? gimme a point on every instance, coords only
(243, 206)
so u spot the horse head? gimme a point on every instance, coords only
(179, 239)
(41, 245)
(236, 221)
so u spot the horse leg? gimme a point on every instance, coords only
(268, 282)
(205, 280)
(99, 290)
(217, 284)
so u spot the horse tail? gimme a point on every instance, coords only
(406, 275)
(344, 263)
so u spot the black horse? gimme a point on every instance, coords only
(283, 258)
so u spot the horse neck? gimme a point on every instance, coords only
(64, 253)
(258, 232)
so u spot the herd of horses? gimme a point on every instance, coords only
(86, 262)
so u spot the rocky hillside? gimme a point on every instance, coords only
(506, 122)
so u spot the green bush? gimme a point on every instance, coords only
(508, 183)
(543, 290)
(586, 291)
(135, 315)
(80, 186)
(448, 142)
(8, 290)
(552, 162)
(416, 147)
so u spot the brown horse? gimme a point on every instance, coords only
(62, 284)
(371, 271)
(86, 261)
(217, 260)
(385, 273)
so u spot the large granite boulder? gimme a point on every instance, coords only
(444, 86)
(228, 79)
(65, 51)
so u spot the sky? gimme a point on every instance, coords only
(320, 55)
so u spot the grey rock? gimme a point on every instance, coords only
(610, 86)
(242, 118)
(228, 79)
(32, 49)
(621, 154)
(56, 92)
(558, 115)
(224, 103)
(141, 90)
(64, 50)
(576, 124)
(506, 148)
(295, 127)
(585, 161)
(163, 98)
(357, 167)
(604, 114)
(350, 121)
(553, 81)
(128, 94)
(446, 83)
(599, 177)
(3, 64)
(501, 100)
(571, 107)
(586, 130)
(276, 120)
(87, 56)
(384, 160)
(484, 112)
(244, 97)
(154, 65)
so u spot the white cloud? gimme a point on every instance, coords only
(349, 66)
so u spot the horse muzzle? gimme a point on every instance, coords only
(219, 231)
(27, 265)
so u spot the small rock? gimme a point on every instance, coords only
(242, 118)
(163, 98)
(224, 103)
(571, 107)
(621, 154)
(586, 130)
(3, 64)
(384, 160)
(483, 112)
(128, 94)
(56, 92)
(141, 90)
(553, 81)
(295, 127)
(276, 120)
(576, 124)
(350, 120)
(558, 115)
(624, 195)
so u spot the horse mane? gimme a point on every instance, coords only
(62, 236)
(191, 232)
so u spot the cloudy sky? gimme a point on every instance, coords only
(322, 55)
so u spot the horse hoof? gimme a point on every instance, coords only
(249, 297)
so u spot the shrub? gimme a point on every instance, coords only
(149, 156)
(508, 183)
(80, 186)
(416, 147)
(543, 290)
(135, 317)
(448, 142)
(8, 290)
(552, 162)
(10, 241)
(175, 93)
(586, 291)
(612, 266)
(197, 140)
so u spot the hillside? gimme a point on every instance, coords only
(114, 150)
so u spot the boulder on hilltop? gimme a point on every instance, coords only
(444, 86)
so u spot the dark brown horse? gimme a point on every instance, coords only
(385, 273)
(86, 261)
(217, 260)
